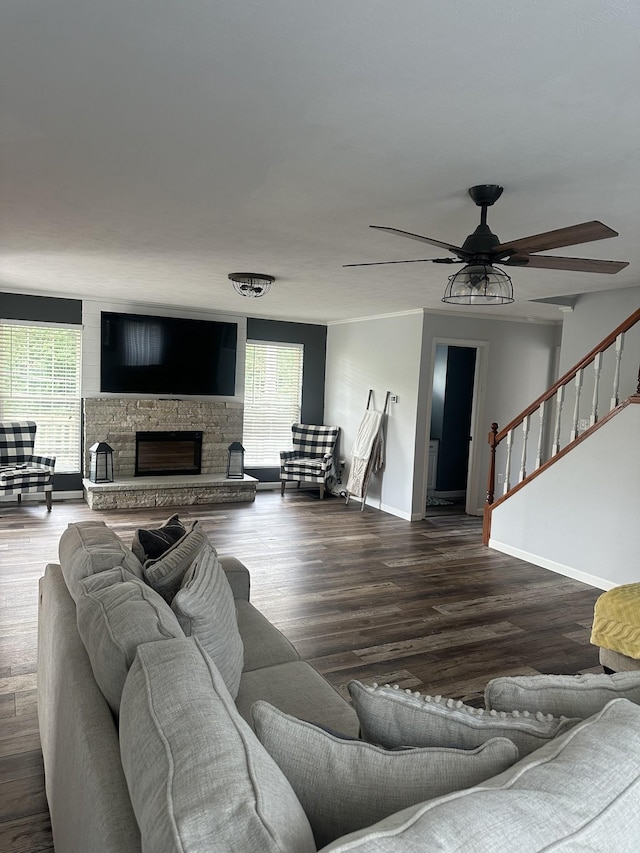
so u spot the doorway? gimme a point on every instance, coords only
(450, 482)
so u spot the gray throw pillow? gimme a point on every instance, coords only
(392, 717)
(89, 547)
(151, 543)
(562, 695)
(198, 777)
(346, 784)
(165, 573)
(115, 615)
(576, 793)
(205, 608)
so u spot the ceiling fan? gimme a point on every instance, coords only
(480, 281)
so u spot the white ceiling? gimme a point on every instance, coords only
(149, 148)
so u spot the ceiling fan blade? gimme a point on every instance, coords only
(455, 249)
(548, 262)
(416, 261)
(585, 232)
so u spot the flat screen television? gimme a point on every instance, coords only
(145, 354)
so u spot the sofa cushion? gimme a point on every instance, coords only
(238, 576)
(392, 717)
(264, 644)
(345, 785)
(206, 609)
(297, 689)
(165, 573)
(89, 547)
(562, 695)
(115, 615)
(199, 778)
(151, 543)
(576, 793)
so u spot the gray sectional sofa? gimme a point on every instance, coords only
(175, 717)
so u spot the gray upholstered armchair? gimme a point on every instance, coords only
(21, 470)
(312, 457)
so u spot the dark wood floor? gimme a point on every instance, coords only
(361, 594)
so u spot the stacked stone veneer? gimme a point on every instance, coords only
(116, 421)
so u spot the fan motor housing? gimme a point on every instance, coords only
(485, 195)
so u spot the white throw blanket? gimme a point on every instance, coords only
(367, 455)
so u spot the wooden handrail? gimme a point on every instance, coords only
(604, 344)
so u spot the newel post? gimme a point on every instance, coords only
(491, 484)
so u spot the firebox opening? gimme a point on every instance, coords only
(165, 453)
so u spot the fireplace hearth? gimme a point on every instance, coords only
(167, 453)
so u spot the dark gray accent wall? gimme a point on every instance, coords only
(40, 309)
(45, 309)
(314, 339)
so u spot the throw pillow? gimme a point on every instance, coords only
(151, 543)
(165, 573)
(392, 717)
(206, 609)
(89, 547)
(577, 792)
(562, 695)
(345, 784)
(198, 777)
(115, 615)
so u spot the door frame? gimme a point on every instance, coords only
(477, 413)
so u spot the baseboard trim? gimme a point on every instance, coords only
(38, 497)
(552, 565)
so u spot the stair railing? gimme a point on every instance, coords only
(549, 409)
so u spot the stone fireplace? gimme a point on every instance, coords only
(116, 420)
(119, 420)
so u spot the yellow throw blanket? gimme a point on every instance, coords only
(616, 620)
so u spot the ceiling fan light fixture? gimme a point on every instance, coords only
(479, 284)
(251, 284)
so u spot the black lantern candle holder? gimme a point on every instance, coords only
(101, 463)
(235, 461)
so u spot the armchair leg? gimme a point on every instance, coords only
(283, 483)
(47, 497)
(19, 499)
(321, 491)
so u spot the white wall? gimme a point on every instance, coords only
(580, 516)
(594, 316)
(383, 354)
(395, 353)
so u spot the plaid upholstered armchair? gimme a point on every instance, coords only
(312, 457)
(21, 471)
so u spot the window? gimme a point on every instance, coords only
(272, 400)
(40, 381)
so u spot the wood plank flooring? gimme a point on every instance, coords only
(361, 594)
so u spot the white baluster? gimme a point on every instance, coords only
(597, 367)
(507, 472)
(615, 399)
(525, 436)
(556, 432)
(576, 408)
(540, 435)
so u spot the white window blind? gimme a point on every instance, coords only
(272, 401)
(40, 381)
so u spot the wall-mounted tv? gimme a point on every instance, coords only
(146, 354)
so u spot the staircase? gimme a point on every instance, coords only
(579, 390)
